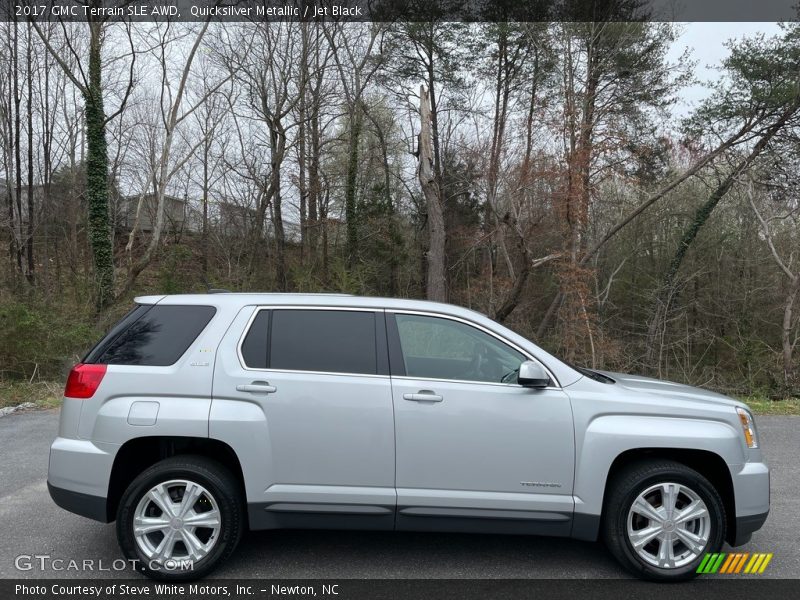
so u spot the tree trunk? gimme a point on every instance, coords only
(787, 344)
(8, 152)
(302, 181)
(30, 266)
(17, 231)
(206, 152)
(573, 212)
(323, 217)
(47, 175)
(436, 287)
(278, 149)
(513, 296)
(350, 209)
(492, 219)
(97, 175)
(314, 188)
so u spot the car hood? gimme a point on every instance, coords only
(669, 389)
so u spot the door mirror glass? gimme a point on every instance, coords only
(532, 374)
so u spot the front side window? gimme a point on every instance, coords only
(436, 348)
(330, 341)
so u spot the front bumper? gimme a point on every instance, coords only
(745, 526)
(751, 492)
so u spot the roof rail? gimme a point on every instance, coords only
(224, 291)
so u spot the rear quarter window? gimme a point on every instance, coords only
(255, 344)
(154, 336)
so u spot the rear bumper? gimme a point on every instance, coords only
(78, 476)
(92, 507)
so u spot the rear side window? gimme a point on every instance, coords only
(155, 336)
(331, 341)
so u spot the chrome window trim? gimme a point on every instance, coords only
(262, 307)
(334, 373)
(467, 381)
(480, 327)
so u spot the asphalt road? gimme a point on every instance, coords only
(33, 525)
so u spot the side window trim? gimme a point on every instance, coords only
(268, 349)
(380, 340)
(381, 343)
(397, 361)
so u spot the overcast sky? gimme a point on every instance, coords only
(707, 44)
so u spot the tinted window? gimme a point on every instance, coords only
(125, 322)
(333, 341)
(254, 345)
(158, 337)
(437, 348)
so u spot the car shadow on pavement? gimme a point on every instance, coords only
(358, 554)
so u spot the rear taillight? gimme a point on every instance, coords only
(84, 380)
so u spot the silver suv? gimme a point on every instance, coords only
(199, 416)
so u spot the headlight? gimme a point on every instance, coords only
(749, 427)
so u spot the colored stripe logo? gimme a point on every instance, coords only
(734, 563)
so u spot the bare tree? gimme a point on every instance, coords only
(91, 87)
(272, 90)
(172, 115)
(789, 270)
(436, 282)
(356, 63)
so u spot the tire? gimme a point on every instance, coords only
(216, 505)
(656, 483)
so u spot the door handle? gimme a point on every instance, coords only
(423, 396)
(257, 387)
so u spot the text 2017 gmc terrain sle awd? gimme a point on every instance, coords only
(199, 416)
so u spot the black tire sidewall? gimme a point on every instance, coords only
(618, 522)
(220, 485)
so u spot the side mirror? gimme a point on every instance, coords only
(532, 374)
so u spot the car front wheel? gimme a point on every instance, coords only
(661, 518)
(181, 518)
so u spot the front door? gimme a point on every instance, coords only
(475, 450)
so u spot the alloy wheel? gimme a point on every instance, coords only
(176, 521)
(668, 525)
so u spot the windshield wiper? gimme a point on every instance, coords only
(595, 375)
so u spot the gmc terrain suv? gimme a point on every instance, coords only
(199, 416)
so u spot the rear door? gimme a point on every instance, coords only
(319, 379)
(475, 450)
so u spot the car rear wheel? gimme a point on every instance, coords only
(661, 518)
(181, 518)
